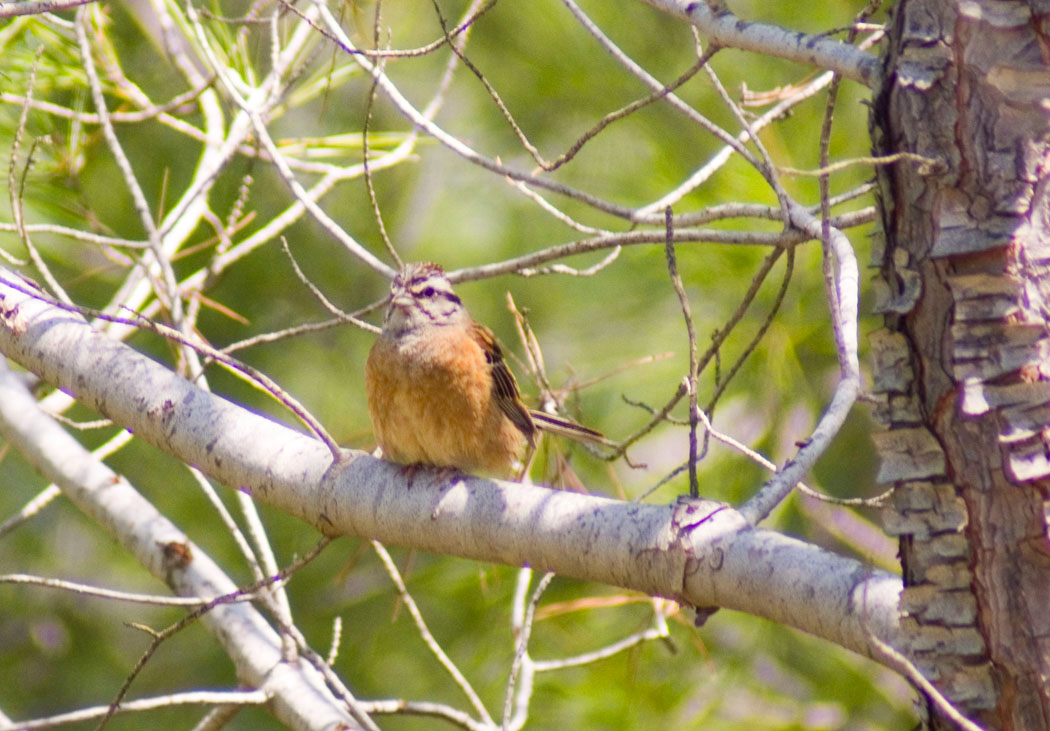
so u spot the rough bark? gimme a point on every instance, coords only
(961, 364)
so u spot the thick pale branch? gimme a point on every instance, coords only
(700, 553)
(299, 696)
(725, 29)
(39, 7)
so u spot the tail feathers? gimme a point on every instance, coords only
(566, 428)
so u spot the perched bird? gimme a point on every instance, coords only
(439, 391)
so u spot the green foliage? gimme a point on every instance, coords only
(59, 652)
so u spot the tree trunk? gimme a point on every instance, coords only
(961, 364)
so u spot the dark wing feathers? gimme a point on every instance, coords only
(567, 428)
(508, 397)
(504, 387)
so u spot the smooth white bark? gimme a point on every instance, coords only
(723, 28)
(298, 693)
(701, 553)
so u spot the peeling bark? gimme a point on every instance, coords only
(962, 373)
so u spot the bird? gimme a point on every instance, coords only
(439, 391)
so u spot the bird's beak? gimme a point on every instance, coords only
(401, 301)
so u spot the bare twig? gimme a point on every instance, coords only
(904, 666)
(689, 382)
(170, 291)
(734, 144)
(325, 302)
(337, 636)
(291, 332)
(926, 164)
(648, 635)
(519, 680)
(254, 374)
(472, 14)
(425, 634)
(723, 382)
(192, 698)
(227, 520)
(16, 190)
(527, 262)
(426, 709)
(82, 425)
(235, 596)
(364, 141)
(86, 236)
(40, 501)
(100, 593)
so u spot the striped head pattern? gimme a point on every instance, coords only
(421, 297)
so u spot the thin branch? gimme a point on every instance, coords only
(148, 112)
(519, 691)
(926, 165)
(689, 382)
(550, 208)
(369, 103)
(778, 300)
(138, 321)
(82, 425)
(16, 190)
(160, 259)
(227, 520)
(648, 635)
(337, 636)
(228, 598)
(904, 666)
(40, 501)
(277, 335)
(425, 634)
(526, 262)
(472, 14)
(427, 709)
(101, 593)
(734, 144)
(192, 698)
(319, 295)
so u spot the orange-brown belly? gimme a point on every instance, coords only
(435, 405)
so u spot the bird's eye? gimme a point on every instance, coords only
(428, 292)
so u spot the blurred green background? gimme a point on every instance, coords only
(59, 651)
